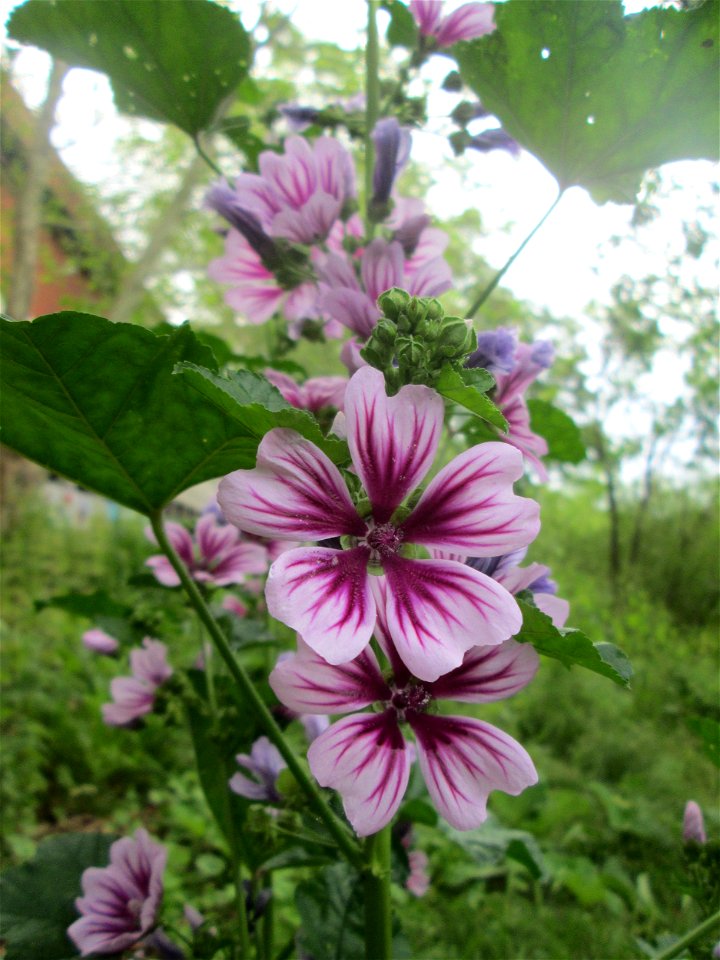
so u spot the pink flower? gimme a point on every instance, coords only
(134, 697)
(506, 570)
(353, 301)
(234, 606)
(366, 756)
(469, 21)
(264, 763)
(217, 556)
(418, 883)
(100, 642)
(437, 609)
(693, 823)
(120, 902)
(299, 195)
(314, 394)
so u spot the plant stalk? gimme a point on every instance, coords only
(378, 909)
(372, 106)
(337, 829)
(483, 296)
(695, 934)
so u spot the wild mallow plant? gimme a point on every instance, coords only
(359, 582)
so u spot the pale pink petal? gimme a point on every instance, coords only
(306, 683)
(149, 662)
(489, 673)
(470, 507)
(234, 606)
(469, 21)
(163, 570)
(438, 609)
(214, 539)
(335, 168)
(242, 561)
(463, 760)
(309, 224)
(364, 758)
(392, 440)
(353, 308)
(515, 578)
(521, 436)
(286, 385)
(257, 195)
(131, 699)
(295, 492)
(180, 541)
(324, 595)
(382, 267)
(555, 607)
(291, 175)
(100, 642)
(428, 279)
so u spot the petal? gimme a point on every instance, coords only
(324, 595)
(180, 541)
(365, 759)
(294, 493)
(306, 683)
(163, 570)
(382, 267)
(427, 14)
(470, 507)
(530, 444)
(392, 440)
(463, 760)
(214, 539)
(489, 673)
(438, 609)
(244, 559)
(555, 607)
(467, 22)
(353, 308)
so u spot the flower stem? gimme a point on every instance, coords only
(484, 294)
(372, 104)
(240, 899)
(336, 828)
(695, 934)
(378, 910)
(211, 163)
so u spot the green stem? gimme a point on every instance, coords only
(372, 104)
(482, 297)
(336, 828)
(210, 162)
(695, 934)
(378, 910)
(240, 899)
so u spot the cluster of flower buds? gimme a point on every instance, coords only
(414, 340)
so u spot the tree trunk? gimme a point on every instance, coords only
(28, 214)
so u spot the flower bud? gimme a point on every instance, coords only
(393, 302)
(385, 332)
(410, 353)
(455, 338)
(693, 824)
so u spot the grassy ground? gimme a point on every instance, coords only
(616, 766)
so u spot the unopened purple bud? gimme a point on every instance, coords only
(693, 823)
(224, 201)
(100, 642)
(392, 149)
(543, 584)
(298, 117)
(494, 140)
(495, 351)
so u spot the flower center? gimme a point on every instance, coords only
(415, 697)
(383, 540)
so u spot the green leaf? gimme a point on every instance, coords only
(418, 811)
(561, 432)
(493, 843)
(709, 732)
(170, 61)
(38, 897)
(571, 647)
(466, 389)
(98, 402)
(330, 905)
(598, 97)
(91, 605)
(252, 401)
(402, 30)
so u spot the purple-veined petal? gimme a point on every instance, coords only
(467, 22)
(379, 586)
(489, 673)
(427, 15)
(470, 507)
(382, 267)
(364, 758)
(294, 493)
(242, 560)
(324, 595)
(521, 436)
(131, 699)
(306, 683)
(392, 440)
(163, 570)
(429, 278)
(292, 175)
(353, 308)
(180, 541)
(438, 609)
(149, 662)
(463, 760)
(214, 540)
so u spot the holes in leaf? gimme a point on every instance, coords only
(590, 120)
(130, 52)
(545, 53)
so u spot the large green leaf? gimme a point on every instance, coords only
(467, 387)
(38, 898)
(572, 647)
(170, 60)
(99, 403)
(598, 97)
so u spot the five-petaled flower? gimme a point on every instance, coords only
(120, 902)
(217, 556)
(467, 22)
(366, 756)
(134, 697)
(437, 609)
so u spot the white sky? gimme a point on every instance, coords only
(561, 268)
